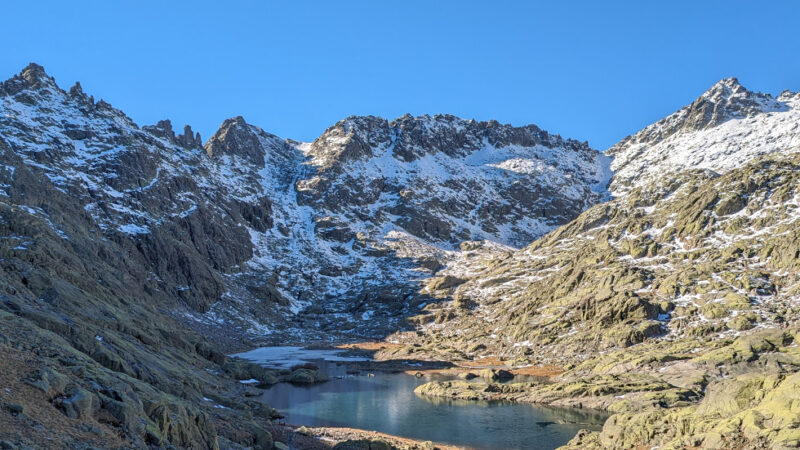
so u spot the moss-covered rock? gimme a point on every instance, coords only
(306, 376)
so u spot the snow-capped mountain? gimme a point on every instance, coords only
(721, 130)
(111, 231)
(251, 228)
(727, 144)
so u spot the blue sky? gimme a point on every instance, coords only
(594, 71)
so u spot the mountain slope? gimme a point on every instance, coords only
(725, 127)
(696, 255)
(377, 205)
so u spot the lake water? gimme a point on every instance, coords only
(387, 403)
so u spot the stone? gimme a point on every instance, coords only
(81, 404)
(50, 382)
(740, 323)
(15, 409)
(263, 439)
(306, 376)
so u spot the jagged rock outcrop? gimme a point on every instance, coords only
(163, 129)
(236, 138)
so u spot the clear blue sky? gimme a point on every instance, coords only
(585, 69)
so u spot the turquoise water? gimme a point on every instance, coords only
(387, 403)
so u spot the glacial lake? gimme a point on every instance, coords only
(387, 403)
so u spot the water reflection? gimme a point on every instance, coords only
(387, 403)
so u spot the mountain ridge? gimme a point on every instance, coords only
(674, 305)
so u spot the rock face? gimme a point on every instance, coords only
(86, 345)
(163, 129)
(433, 172)
(141, 191)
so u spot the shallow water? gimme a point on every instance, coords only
(387, 403)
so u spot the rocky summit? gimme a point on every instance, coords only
(657, 281)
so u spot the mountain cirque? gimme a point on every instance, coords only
(668, 293)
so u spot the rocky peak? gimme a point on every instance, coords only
(189, 139)
(77, 94)
(725, 100)
(728, 99)
(722, 129)
(350, 139)
(162, 129)
(236, 138)
(730, 85)
(32, 77)
(35, 76)
(788, 95)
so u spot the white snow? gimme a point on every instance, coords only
(131, 228)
